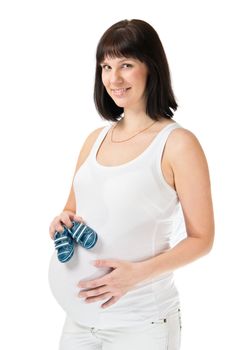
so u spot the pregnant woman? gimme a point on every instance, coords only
(132, 177)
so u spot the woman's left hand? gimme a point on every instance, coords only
(113, 285)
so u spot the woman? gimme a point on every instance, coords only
(131, 177)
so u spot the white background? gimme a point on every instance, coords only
(47, 110)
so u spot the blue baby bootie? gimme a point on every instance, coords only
(83, 234)
(64, 245)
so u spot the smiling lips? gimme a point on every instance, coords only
(119, 92)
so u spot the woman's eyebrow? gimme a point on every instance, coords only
(120, 61)
(124, 59)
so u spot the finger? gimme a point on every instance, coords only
(66, 220)
(59, 227)
(106, 263)
(51, 233)
(93, 283)
(79, 218)
(110, 302)
(100, 297)
(93, 292)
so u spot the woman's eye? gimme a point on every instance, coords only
(127, 65)
(106, 67)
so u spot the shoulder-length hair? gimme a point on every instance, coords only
(136, 39)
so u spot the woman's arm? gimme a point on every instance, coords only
(191, 177)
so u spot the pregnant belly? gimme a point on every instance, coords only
(64, 277)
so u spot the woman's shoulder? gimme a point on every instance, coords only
(178, 136)
(183, 142)
(92, 137)
(182, 137)
(87, 145)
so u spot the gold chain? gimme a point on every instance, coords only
(131, 136)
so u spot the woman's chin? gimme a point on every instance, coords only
(121, 104)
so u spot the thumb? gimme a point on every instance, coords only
(78, 218)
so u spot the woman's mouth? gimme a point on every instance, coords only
(119, 92)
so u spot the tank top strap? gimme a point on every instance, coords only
(158, 150)
(99, 140)
(163, 135)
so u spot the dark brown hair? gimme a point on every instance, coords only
(136, 39)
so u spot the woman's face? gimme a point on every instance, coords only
(125, 81)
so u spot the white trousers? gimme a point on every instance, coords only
(164, 334)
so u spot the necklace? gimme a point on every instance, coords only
(131, 136)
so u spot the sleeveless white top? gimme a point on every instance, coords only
(134, 211)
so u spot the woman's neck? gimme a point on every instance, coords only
(133, 122)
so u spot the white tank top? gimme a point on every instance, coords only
(134, 211)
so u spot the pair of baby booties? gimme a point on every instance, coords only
(65, 241)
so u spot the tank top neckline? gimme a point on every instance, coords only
(134, 160)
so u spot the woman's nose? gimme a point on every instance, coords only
(115, 77)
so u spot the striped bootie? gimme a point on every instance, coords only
(83, 234)
(64, 245)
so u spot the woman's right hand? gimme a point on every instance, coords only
(66, 218)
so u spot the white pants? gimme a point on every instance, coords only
(164, 334)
